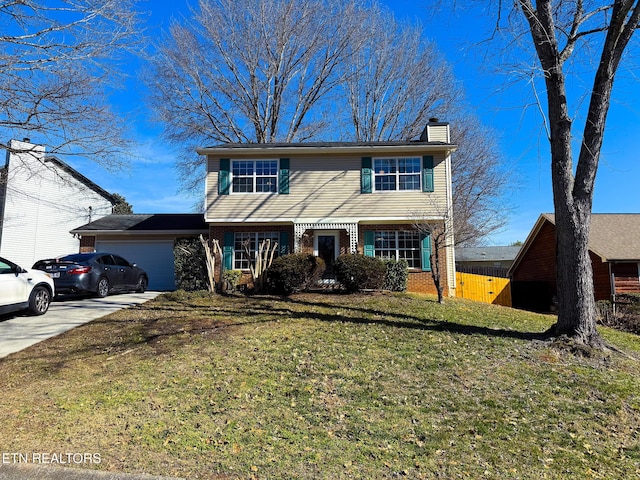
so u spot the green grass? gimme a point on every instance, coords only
(316, 386)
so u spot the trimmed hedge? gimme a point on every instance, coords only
(294, 273)
(190, 264)
(357, 272)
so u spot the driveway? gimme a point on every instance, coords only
(20, 332)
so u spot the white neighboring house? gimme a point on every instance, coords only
(41, 200)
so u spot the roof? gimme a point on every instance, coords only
(486, 254)
(328, 147)
(614, 237)
(81, 178)
(146, 223)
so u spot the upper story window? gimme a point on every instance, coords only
(250, 176)
(397, 173)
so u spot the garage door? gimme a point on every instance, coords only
(156, 258)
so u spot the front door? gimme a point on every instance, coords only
(327, 248)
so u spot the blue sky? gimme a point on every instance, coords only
(151, 185)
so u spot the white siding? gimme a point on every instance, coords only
(43, 203)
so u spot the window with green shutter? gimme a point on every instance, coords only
(427, 173)
(366, 175)
(227, 250)
(425, 250)
(224, 184)
(369, 241)
(284, 243)
(283, 179)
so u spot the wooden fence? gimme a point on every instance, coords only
(482, 288)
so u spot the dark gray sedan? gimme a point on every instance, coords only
(99, 272)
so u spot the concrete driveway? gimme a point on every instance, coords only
(20, 332)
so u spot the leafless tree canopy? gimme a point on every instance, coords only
(396, 81)
(56, 61)
(481, 181)
(251, 70)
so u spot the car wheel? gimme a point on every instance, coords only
(39, 301)
(142, 284)
(103, 287)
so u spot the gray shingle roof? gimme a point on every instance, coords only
(169, 222)
(486, 254)
(613, 236)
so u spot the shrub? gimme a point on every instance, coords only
(230, 279)
(293, 273)
(190, 264)
(357, 272)
(397, 275)
(622, 315)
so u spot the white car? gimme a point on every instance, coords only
(22, 289)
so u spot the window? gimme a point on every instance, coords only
(250, 176)
(397, 173)
(253, 239)
(398, 245)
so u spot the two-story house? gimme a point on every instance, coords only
(333, 198)
(41, 200)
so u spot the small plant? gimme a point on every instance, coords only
(294, 273)
(397, 275)
(357, 272)
(230, 280)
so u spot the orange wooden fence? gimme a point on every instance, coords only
(485, 289)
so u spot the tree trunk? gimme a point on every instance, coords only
(576, 302)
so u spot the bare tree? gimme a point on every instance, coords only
(245, 71)
(396, 80)
(481, 182)
(440, 228)
(560, 30)
(56, 61)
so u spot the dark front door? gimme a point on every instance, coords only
(327, 251)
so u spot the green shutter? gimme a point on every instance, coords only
(223, 176)
(284, 243)
(283, 180)
(425, 250)
(365, 175)
(227, 250)
(369, 243)
(427, 173)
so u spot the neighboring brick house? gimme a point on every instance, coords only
(333, 198)
(41, 200)
(614, 248)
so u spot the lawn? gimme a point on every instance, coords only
(324, 386)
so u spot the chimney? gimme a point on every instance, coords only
(436, 131)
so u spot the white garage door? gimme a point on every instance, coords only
(156, 258)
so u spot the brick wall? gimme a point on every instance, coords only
(87, 244)
(418, 281)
